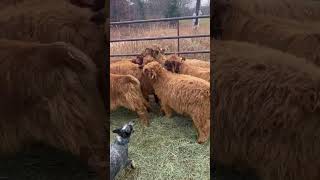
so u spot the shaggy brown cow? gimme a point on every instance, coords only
(177, 64)
(290, 29)
(49, 95)
(125, 92)
(96, 6)
(158, 54)
(126, 67)
(184, 94)
(47, 21)
(267, 112)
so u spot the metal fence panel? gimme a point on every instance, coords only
(178, 37)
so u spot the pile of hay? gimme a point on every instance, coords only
(165, 150)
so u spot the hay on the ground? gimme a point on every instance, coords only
(165, 150)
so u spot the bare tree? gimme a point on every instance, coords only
(197, 11)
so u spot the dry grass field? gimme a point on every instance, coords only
(159, 30)
(168, 148)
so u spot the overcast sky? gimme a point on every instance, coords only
(203, 2)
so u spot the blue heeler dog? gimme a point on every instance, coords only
(119, 150)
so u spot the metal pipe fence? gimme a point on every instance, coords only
(178, 37)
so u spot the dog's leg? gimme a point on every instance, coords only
(131, 164)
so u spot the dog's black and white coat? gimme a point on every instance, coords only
(119, 150)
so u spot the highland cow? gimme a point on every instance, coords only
(125, 92)
(286, 28)
(158, 54)
(266, 112)
(177, 64)
(184, 94)
(96, 6)
(49, 95)
(126, 67)
(47, 21)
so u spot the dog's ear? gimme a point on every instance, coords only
(183, 58)
(118, 131)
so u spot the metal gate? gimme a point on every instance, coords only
(178, 37)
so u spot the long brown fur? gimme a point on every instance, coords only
(270, 28)
(175, 64)
(157, 53)
(299, 10)
(49, 95)
(125, 92)
(48, 21)
(126, 67)
(184, 94)
(267, 112)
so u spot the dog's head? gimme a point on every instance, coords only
(125, 131)
(152, 70)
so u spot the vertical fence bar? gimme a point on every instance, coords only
(178, 34)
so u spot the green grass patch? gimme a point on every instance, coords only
(165, 150)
